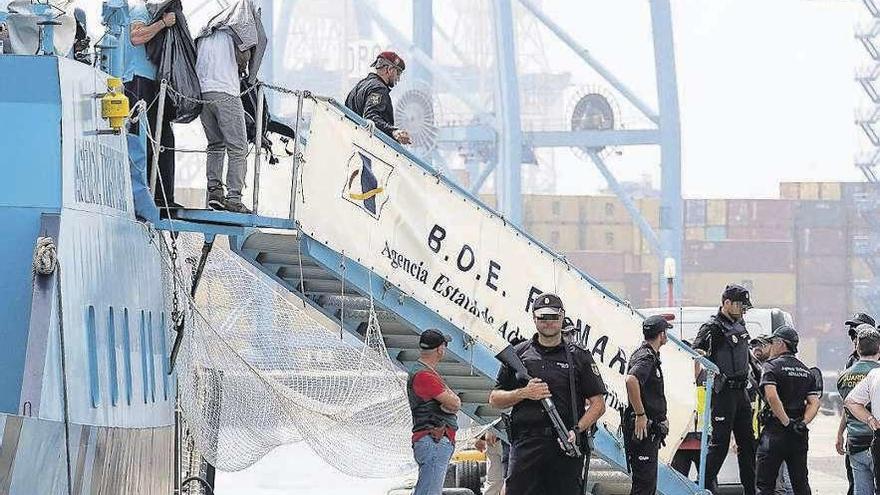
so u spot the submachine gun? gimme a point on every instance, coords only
(508, 356)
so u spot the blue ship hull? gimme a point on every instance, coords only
(94, 356)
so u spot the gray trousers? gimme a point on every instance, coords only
(225, 129)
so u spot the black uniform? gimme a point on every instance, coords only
(779, 444)
(537, 463)
(726, 343)
(371, 99)
(641, 455)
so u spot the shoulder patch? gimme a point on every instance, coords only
(374, 98)
(596, 369)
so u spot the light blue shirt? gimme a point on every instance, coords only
(136, 61)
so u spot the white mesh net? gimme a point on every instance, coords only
(255, 371)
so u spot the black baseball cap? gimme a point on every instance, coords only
(760, 340)
(547, 304)
(432, 339)
(653, 325)
(737, 293)
(787, 334)
(860, 318)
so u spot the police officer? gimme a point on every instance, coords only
(645, 425)
(723, 339)
(792, 401)
(565, 373)
(371, 96)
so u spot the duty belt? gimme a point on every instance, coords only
(736, 383)
(533, 432)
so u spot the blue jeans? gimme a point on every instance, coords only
(433, 460)
(863, 472)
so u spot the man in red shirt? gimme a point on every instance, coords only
(434, 407)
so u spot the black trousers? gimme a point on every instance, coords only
(732, 412)
(683, 459)
(539, 467)
(849, 475)
(141, 88)
(778, 445)
(641, 455)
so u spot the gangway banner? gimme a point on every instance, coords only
(441, 247)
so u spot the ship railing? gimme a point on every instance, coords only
(154, 136)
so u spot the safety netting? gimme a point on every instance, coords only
(256, 371)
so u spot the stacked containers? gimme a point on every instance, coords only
(824, 277)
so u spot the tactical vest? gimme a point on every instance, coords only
(426, 414)
(730, 348)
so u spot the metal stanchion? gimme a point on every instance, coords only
(707, 427)
(160, 116)
(294, 176)
(258, 145)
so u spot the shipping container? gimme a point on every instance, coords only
(768, 290)
(812, 298)
(820, 214)
(613, 237)
(695, 212)
(716, 212)
(760, 233)
(818, 270)
(603, 266)
(790, 190)
(759, 213)
(739, 256)
(602, 210)
(650, 208)
(558, 236)
(716, 233)
(550, 207)
(695, 233)
(810, 191)
(638, 288)
(822, 241)
(830, 191)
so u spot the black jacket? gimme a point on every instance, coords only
(371, 99)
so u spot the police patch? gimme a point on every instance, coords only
(595, 369)
(374, 99)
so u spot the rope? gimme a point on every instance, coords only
(66, 404)
(45, 256)
(211, 102)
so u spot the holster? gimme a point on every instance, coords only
(437, 433)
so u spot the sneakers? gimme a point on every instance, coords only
(236, 206)
(215, 198)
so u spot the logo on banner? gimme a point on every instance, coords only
(367, 181)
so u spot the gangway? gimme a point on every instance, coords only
(338, 282)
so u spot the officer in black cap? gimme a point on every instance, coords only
(723, 339)
(565, 373)
(645, 425)
(792, 395)
(371, 96)
(851, 325)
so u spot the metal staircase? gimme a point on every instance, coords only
(339, 288)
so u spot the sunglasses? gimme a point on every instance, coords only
(548, 317)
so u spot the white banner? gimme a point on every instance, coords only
(364, 199)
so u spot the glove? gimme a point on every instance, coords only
(798, 427)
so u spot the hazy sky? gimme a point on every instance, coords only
(766, 87)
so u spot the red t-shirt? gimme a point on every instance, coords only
(427, 385)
